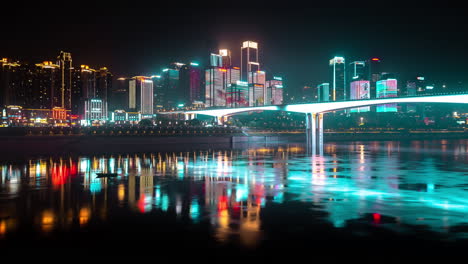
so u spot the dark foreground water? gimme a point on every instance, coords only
(377, 201)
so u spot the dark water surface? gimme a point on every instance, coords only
(361, 200)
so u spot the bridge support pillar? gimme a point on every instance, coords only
(219, 120)
(314, 133)
(190, 116)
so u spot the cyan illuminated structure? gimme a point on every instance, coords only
(323, 92)
(358, 70)
(170, 89)
(387, 89)
(216, 60)
(338, 79)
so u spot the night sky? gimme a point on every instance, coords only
(295, 41)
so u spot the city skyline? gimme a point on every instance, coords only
(414, 41)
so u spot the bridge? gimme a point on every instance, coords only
(314, 111)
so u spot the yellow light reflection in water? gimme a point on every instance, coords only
(250, 225)
(223, 228)
(85, 214)
(121, 192)
(3, 228)
(47, 220)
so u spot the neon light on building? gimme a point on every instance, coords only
(360, 90)
(385, 89)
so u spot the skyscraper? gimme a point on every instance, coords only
(103, 84)
(12, 86)
(46, 83)
(191, 83)
(84, 88)
(385, 89)
(249, 59)
(257, 85)
(216, 60)
(323, 92)
(217, 81)
(374, 72)
(359, 91)
(237, 94)
(119, 95)
(171, 90)
(357, 70)
(274, 90)
(140, 98)
(338, 79)
(158, 92)
(62, 97)
(225, 58)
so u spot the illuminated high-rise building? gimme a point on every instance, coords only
(360, 90)
(216, 60)
(338, 79)
(323, 92)
(374, 71)
(119, 95)
(191, 83)
(217, 81)
(386, 89)
(62, 97)
(274, 90)
(140, 95)
(357, 71)
(158, 91)
(237, 94)
(170, 91)
(257, 85)
(83, 88)
(249, 59)
(103, 84)
(16, 83)
(47, 81)
(95, 110)
(225, 58)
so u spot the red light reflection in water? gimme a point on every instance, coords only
(61, 173)
(141, 203)
(222, 203)
(376, 218)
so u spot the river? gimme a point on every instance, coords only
(375, 197)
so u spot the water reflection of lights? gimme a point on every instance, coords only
(232, 187)
(3, 227)
(85, 214)
(47, 221)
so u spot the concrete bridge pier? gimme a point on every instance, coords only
(314, 133)
(219, 120)
(190, 116)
